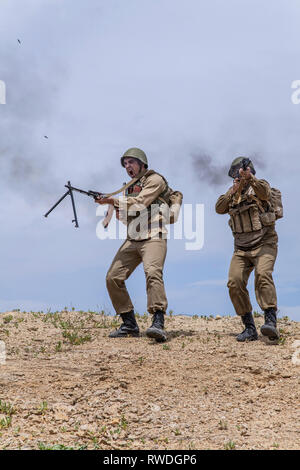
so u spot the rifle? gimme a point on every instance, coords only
(90, 193)
(95, 195)
(244, 164)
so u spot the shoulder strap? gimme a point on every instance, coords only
(258, 202)
(130, 183)
(134, 180)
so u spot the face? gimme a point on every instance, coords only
(132, 166)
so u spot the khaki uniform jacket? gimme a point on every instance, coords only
(142, 213)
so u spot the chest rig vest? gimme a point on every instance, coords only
(249, 214)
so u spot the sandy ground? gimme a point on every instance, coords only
(65, 384)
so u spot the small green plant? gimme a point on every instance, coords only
(6, 408)
(123, 423)
(43, 446)
(5, 422)
(58, 347)
(223, 425)
(230, 445)
(282, 331)
(282, 340)
(7, 318)
(16, 431)
(42, 408)
(166, 347)
(103, 430)
(65, 324)
(74, 338)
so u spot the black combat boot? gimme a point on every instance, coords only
(269, 328)
(129, 326)
(249, 333)
(156, 330)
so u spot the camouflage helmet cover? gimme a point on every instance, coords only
(137, 153)
(237, 164)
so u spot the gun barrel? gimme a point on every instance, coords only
(82, 191)
(245, 163)
(76, 189)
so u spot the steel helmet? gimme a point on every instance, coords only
(137, 153)
(237, 164)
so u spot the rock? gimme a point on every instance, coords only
(155, 408)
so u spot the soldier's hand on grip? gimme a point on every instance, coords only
(235, 186)
(245, 174)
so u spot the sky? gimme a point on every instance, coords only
(194, 84)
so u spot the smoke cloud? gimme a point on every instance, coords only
(25, 157)
(210, 171)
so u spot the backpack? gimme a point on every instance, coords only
(174, 203)
(276, 203)
(273, 211)
(172, 198)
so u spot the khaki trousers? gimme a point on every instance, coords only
(262, 260)
(152, 253)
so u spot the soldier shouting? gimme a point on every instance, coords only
(252, 221)
(146, 242)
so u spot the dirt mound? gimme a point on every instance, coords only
(65, 384)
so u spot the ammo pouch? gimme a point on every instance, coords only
(250, 216)
(267, 218)
(245, 219)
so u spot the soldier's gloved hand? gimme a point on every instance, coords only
(105, 200)
(245, 174)
(235, 186)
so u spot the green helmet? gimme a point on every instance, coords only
(135, 153)
(237, 164)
